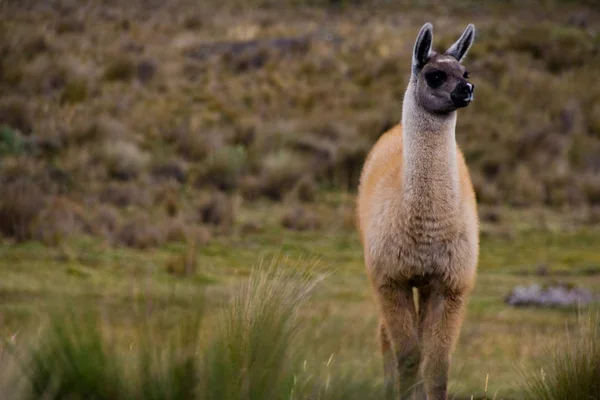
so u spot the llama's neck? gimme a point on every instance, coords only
(430, 169)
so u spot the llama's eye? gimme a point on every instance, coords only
(435, 79)
(466, 75)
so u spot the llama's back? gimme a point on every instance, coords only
(381, 173)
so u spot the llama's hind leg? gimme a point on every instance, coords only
(389, 361)
(399, 317)
(440, 326)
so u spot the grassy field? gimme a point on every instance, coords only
(339, 320)
(152, 154)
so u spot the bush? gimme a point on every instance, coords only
(20, 205)
(120, 69)
(141, 232)
(217, 210)
(571, 370)
(15, 112)
(124, 160)
(10, 141)
(223, 168)
(300, 219)
(75, 91)
(60, 219)
(280, 173)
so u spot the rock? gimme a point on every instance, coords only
(557, 295)
(253, 54)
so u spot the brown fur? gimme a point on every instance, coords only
(419, 228)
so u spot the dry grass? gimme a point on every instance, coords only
(300, 218)
(267, 104)
(119, 69)
(15, 113)
(217, 209)
(20, 206)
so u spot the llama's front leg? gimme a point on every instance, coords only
(400, 329)
(440, 326)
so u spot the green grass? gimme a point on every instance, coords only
(253, 350)
(337, 321)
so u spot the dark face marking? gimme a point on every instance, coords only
(442, 85)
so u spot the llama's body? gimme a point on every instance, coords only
(432, 233)
(418, 224)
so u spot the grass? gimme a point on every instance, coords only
(291, 328)
(338, 321)
(570, 370)
(252, 351)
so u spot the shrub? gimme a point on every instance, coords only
(571, 370)
(124, 160)
(69, 25)
(193, 144)
(124, 194)
(120, 69)
(34, 45)
(140, 232)
(75, 91)
(216, 210)
(46, 75)
(20, 205)
(60, 219)
(305, 190)
(146, 70)
(279, 174)
(223, 168)
(192, 22)
(175, 230)
(300, 219)
(170, 169)
(15, 113)
(91, 131)
(10, 141)
(104, 222)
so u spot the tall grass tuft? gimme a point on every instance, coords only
(83, 355)
(73, 359)
(254, 355)
(167, 367)
(572, 369)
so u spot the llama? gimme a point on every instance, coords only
(417, 217)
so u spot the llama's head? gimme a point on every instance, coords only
(439, 80)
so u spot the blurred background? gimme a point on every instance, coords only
(167, 147)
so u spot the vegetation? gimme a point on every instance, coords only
(255, 104)
(571, 369)
(255, 346)
(151, 153)
(251, 353)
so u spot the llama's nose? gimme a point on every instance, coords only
(463, 94)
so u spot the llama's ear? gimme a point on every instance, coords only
(422, 49)
(460, 48)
